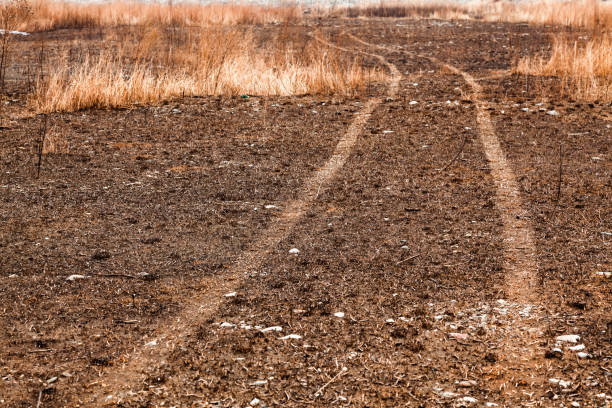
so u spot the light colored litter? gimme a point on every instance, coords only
(291, 336)
(74, 277)
(552, 113)
(272, 328)
(386, 132)
(459, 336)
(603, 274)
(412, 103)
(231, 294)
(579, 347)
(294, 251)
(270, 206)
(254, 401)
(470, 400)
(561, 383)
(259, 382)
(467, 383)
(448, 394)
(227, 325)
(339, 314)
(582, 354)
(152, 343)
(568, 338)
(575, 404)
(2, 31)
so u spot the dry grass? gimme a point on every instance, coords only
(211, 61)
(415, 9)
(55, 14)
(591, 14)
(583, 70)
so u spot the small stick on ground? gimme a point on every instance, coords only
(39, 399)
(560, 173)
(344, 370)
(408, 259)
(114, 275)
(41, 143)
(456, 156)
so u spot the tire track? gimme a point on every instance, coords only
(116, 383)
(521, 360)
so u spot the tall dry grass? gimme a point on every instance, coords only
(55, 14)
(590, 14)
(445, 10)
(215, 61)
(583, 70)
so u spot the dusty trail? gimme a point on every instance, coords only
(522, 354)
(117, 382)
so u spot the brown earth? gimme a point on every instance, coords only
(154, 205)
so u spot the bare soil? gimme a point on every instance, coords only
(153, 204)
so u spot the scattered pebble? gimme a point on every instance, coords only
(582, 354)
(568, 338)
(270, 206)
(491, 404)
(575, 404)
(470, 400)
(339, 314)
(579, 347)
(459, 336)
(294, 251)
(254, 401)
(562, 383)
(552, 113)
(226, 324)
(412, 103)
(231, 294)
(272, 328)
(74, 277)
(291, 336)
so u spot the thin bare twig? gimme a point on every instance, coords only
(342, 372)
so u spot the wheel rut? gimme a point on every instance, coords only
(117, 383)
(520, 364)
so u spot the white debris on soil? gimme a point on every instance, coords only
(291, 336)
(339, 314)
(575, 404)
(561, 383)
(386, 132)
(448, 394)
(459, 336)
(272, 328)
(579, 347)
(469, 400)
(231, 294)
(467, 383)
(270, 206)
(12, 275)
(552, 113)
(390, 321)
(74, 277)
(227, 325)
(259, 382)
(51, 380)
(152, 343)
(3, 31)
(298, 311)
(294, 251)
(412, 103)
(582, 354)
(254, 401)
(568, 338)
(603, 274)
(491, 404)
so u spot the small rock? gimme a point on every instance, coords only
(575, 404)
(491, 404)
(459, 336)
(579, 347)
(568, 338)
(254, 401)
(552, 113)
(294, 251)
(227, 325)
(12, 275)
(448, 394)
(231, 294)
(272, 328)
(75, 277)
(270, 206)
(582, 354)
(469, 400)
(339, 314)
(291, 336)
(467, 383)
(412, 103)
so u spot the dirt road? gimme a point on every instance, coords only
(438, 242)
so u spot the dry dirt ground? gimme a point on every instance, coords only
(401, 290)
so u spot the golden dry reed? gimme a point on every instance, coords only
(54, 14)
(215, 61)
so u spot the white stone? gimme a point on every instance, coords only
(339, 314)
(579, 347)
(74, 277)
(294, 251)
(568, 338)
(231, 294)
(291, 336)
